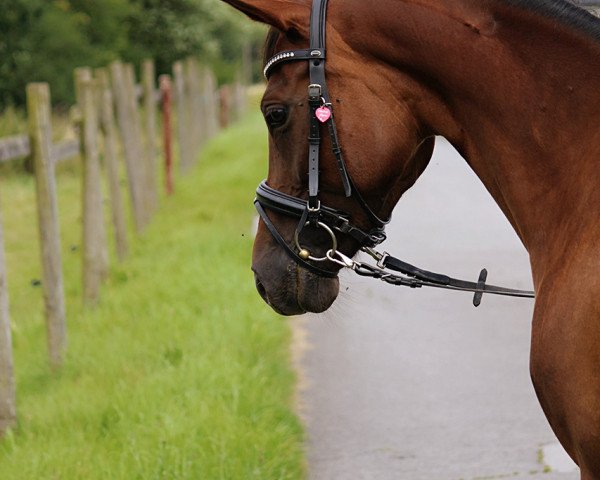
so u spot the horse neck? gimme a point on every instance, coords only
(513, 91)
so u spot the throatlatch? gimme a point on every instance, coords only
(312, 212)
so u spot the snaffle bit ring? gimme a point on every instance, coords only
(304, 254)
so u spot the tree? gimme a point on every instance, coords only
(169, 30)
(16, 18)
(45, 40)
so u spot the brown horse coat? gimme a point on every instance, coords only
(513, 85)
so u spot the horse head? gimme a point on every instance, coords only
(385, 149)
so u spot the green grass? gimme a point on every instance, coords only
(180, 372)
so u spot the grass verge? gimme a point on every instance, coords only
(181, 372)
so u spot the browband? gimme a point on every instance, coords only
(292, 56)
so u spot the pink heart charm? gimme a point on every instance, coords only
(323, 114)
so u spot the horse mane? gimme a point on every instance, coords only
(564, 11)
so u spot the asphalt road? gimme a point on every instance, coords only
(420, 385)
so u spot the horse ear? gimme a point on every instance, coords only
(281, 14)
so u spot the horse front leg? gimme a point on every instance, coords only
(565, 370)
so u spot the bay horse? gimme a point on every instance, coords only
(513, 85)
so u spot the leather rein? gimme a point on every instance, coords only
(312, 213)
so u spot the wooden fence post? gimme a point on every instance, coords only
(111, 162)
(191, 86)
(132, 155)
(246, 76)
(95, 248)
(137, 138)
(8, 408)
(40, 131)
(235, 101)
(165, 88)
(148, 75)
(210, 95)
(239, 102)
(225, 102)
(197, 117)
(201, 118)
(183, 121)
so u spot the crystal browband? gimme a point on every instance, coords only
(284, 57)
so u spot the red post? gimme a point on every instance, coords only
(165, 90)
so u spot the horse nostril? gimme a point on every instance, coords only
(262, 291)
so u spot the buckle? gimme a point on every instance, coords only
(314, 92)
(377, 237)
(344, 225)
(314, 209)
(380, 258)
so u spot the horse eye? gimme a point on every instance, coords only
(276, 117)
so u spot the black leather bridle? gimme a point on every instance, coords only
(312, 212)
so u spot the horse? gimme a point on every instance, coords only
(512, 84)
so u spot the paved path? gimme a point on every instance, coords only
(420, 385)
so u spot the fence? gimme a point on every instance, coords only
(115, 117)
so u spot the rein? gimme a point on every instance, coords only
(312, 213)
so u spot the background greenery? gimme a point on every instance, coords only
(44, 40)
(181, 372)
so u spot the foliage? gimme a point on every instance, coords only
(45, 40)
(171, 29)
(181, 372)
(168, 30)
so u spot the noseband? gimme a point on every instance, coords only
(313, 213)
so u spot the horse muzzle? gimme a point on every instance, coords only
(291, 290)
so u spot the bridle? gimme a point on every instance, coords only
(313, 213)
